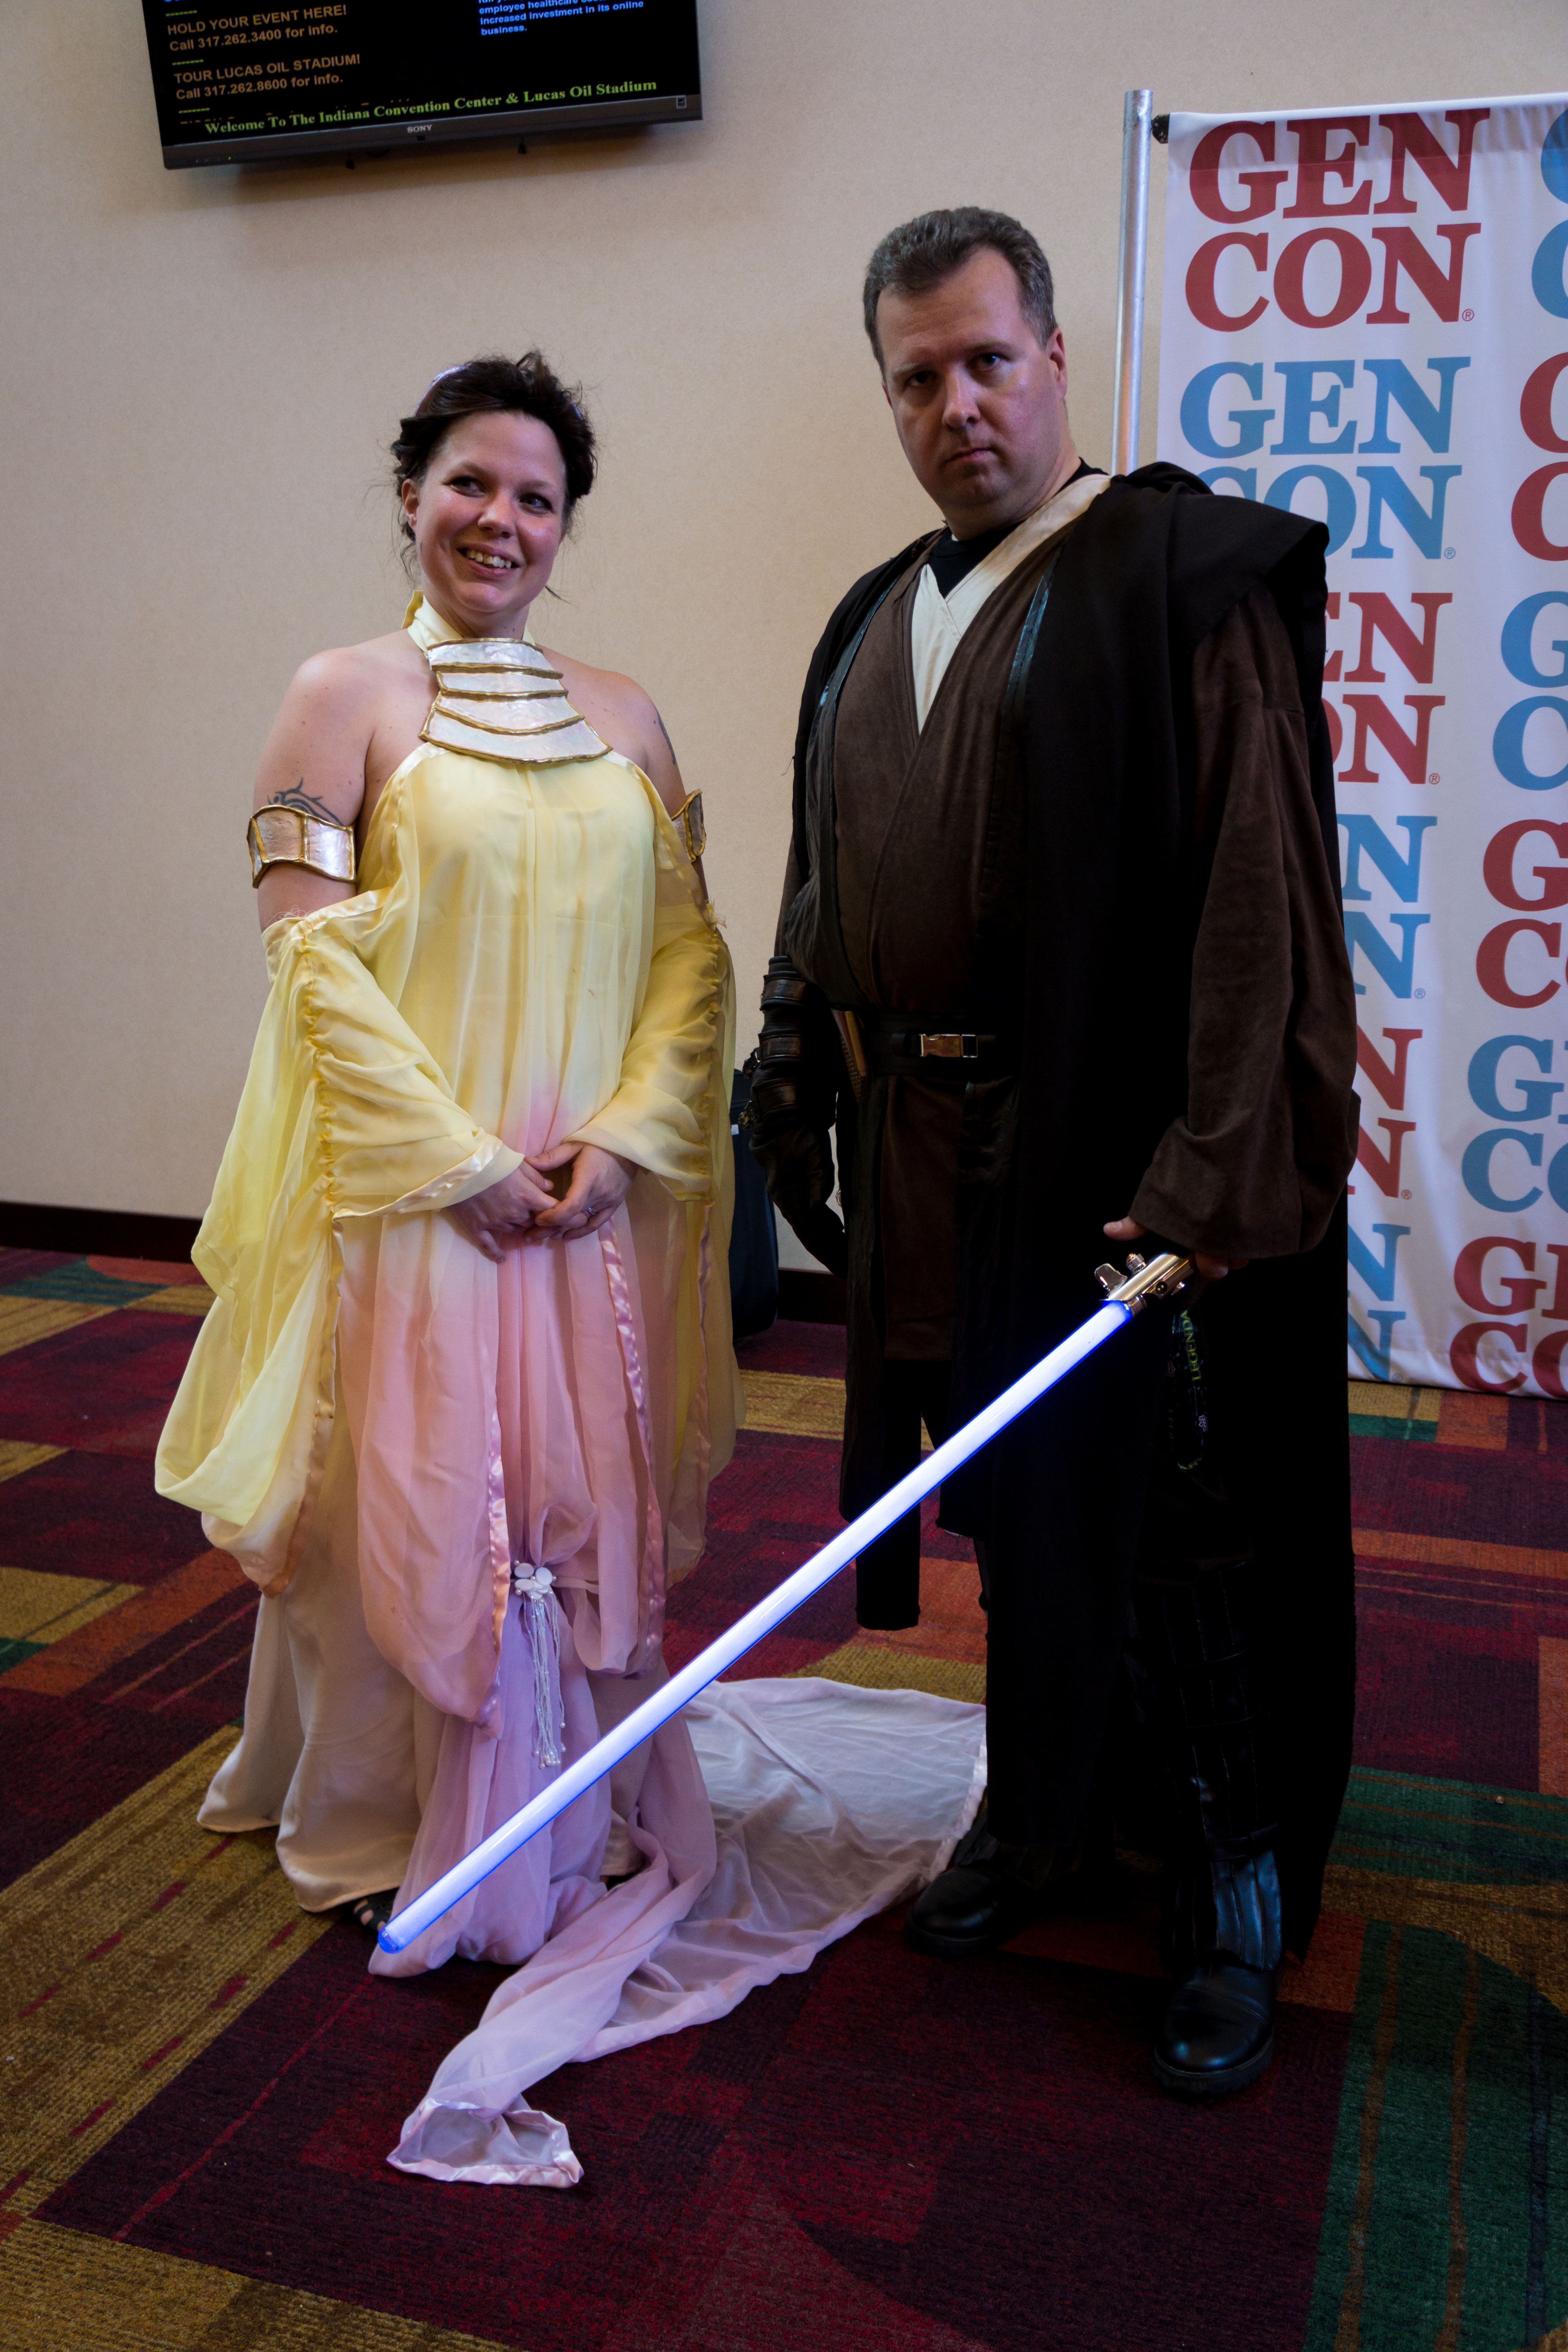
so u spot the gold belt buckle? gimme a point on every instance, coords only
(950, 1046)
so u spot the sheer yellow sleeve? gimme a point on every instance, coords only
(388, 1134)
(675, 1066)
(344, 1114)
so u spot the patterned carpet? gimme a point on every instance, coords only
(884, 2154)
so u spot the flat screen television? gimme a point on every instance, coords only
(329, 77)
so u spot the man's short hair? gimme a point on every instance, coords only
(919, 255)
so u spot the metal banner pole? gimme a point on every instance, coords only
(1137, 115)
(1162, 1277)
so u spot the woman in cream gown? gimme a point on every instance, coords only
(469, 1373)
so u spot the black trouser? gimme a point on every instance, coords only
(1190, 1522)
(886, 1574)
(1196, 1661)
(1199, 1665)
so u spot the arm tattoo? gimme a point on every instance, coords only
(662, 729)
(299, 798)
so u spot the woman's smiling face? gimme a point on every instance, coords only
(488, 519)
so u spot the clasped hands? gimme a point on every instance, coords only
(522, 1207)
(1213, 1269)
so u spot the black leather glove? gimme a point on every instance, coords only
(795, 1073)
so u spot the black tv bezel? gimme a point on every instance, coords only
(440, 130)
(477, 126)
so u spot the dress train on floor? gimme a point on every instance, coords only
(776, 1816)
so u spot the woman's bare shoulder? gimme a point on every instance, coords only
(344, 677)
(340, 704)
(624, 714)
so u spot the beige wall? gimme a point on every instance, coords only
(198, 371)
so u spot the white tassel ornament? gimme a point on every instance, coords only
(535, 1585)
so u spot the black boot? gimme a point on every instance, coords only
(1196, 1664)
(990, 1892)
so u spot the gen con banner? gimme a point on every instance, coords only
(1365, 320)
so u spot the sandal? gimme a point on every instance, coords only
(372, 1912)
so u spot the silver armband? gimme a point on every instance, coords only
(280, 836)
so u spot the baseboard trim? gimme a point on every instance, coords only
(96, 1232)
(806, 1297)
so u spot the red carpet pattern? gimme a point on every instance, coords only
(884, 2152)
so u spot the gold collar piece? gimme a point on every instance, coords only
(498, 699)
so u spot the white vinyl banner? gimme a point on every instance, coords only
(1365, 320)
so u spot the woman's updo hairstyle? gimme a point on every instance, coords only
(524, 387)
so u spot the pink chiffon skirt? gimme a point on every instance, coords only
(507, 1420)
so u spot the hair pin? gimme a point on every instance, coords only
(438, 377)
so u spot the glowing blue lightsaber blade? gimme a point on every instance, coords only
(1161, 1278)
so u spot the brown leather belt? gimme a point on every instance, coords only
(910, 1045)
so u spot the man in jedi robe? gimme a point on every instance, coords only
(1060, 957)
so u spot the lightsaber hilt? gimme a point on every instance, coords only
(1146, 1278)
(1161, 1278)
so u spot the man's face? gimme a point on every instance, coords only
(980, 406)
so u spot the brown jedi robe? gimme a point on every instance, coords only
(1254, 1167)
(1245, 1171)
(1110, 860)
